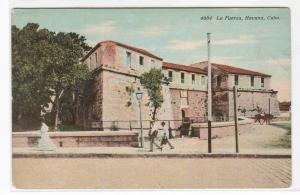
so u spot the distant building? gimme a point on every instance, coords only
(285, 106)
(254, 92)
(117, 69)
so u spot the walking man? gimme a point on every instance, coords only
(152, 136)
(165, 139)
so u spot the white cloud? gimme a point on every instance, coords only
(185, 45)
(104, 28)
(272, 62)
(243, 39)
(194, 44)
(153, 31)
(226, 59)
(230, 60)
(279, 62)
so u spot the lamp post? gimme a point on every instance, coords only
(139, 96)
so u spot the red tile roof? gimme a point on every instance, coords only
(139, 50)
(179, 67)
(235, 70)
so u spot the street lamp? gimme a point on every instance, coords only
(139, 96)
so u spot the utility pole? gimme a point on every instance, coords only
(209, 96)
(235, 119)
(269, 121)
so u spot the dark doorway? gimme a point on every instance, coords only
(183, 114)
(184, 129)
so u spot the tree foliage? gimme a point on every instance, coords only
(45, 64)
(152, 81)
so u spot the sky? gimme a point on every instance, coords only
(178, 35)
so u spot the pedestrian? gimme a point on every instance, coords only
(165, 139)
(152, 136)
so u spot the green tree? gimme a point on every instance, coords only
(152, 82)
(45, 64)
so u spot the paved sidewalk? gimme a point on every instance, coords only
(138, 152)
(257, 142)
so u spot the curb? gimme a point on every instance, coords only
(143, 155)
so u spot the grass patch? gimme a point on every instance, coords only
(285, 140)
(286, 126)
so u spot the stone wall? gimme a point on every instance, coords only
(219, 132)
(78, 139)
(249, 100)
(114, 99)
(196, 107)
(166, 110)
(197, 104)
(120, 103)
(220, 106)
(221, 129)
(89, 106)
(175, 102)
(116, 82)
(119, 99)
(224, 79)
(223, 106)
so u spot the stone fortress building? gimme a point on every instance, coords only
(117, 68)
(254, 92)
(188, 89)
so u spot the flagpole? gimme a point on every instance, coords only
(209, 95)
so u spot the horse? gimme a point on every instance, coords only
(262, 118)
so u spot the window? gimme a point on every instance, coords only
(141, 60)
(128, 58)
(183, 98)
(152, 62)
(170, 76)
(219, 80)
(193, 79)
(252, 81)
(96, 58)
(182, 77)
(262, 82)
(91, 64)
(202, 80)
(236, 79)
